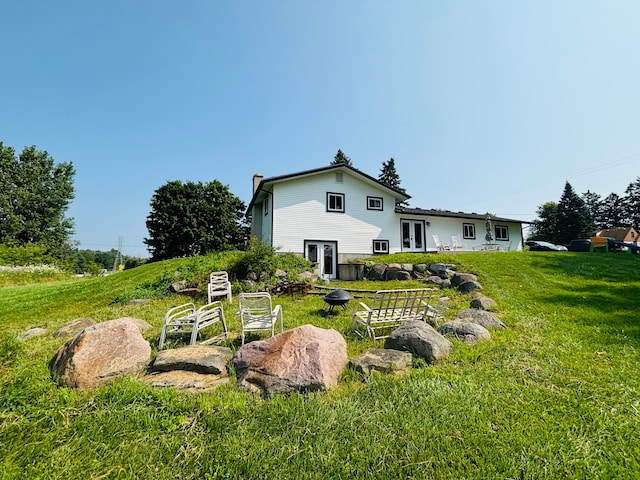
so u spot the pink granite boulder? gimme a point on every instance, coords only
(304, 359)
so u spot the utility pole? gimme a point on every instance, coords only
(118, 263)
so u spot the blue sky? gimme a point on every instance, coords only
(485, 106)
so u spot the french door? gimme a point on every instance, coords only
(322, 256)
(412, 235)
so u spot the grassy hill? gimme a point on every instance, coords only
(557, 395)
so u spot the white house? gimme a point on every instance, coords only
(337, 212)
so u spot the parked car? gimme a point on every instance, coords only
(580, 245)
(539, 246)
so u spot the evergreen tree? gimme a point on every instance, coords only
(573, 219)
(594, 205)
(389, 177)
(613, 211)
(35, 194)
(545, 226)
(341, 158)
(631, 204)
(190, 218)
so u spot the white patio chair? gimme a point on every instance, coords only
(219, 285)
(206, 316)
(436, 314)
(178, 321)
(439, 245)
(257, 314)
(456, 244)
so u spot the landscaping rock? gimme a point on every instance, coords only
(434, 280)
(138, 301)
(32, 332)
(483, 303)
(481, 317)
(397, 275)
(206, 359)
(394, 266)
(467, 287)
(460, 278)
(469, 333)
(420, 339)
(304, 359)
(73, 327)
(138, 322)
(377, 272)
(420, 268)
(187, 381)
(381, 360)
(100, 354)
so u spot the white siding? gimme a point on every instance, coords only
(300, 213)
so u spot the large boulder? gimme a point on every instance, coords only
(469, 333)
(186, 381)
(481, 317)
(100, 354)
(206, 359)
(376, 272)
(304, 359)
(381, 360)
(420, 339)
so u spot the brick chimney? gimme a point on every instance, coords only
(257, 178)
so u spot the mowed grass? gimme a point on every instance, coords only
(554, 396)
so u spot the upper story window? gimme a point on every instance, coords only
(335, 202)
(469, 231)
(265, 206)
(374, 203)
(502, 232)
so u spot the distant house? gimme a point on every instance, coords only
(337, 212)
(621, 234)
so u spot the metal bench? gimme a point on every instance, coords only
(389, 308)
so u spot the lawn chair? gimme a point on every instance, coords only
(439, 245)
(456, 244)
(184, 320)
(206, 316)
(436, 314)
(256, 313)
(219, 285)
(178, 321)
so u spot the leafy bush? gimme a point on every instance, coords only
(258, 261)
(30, 254)
(292, 264)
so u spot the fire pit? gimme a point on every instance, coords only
(336, 298)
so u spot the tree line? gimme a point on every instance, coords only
(581, 216)
(186, 218)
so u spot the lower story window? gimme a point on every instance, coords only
(502, 232)
(381, 246)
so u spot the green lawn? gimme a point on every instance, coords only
(556, 395)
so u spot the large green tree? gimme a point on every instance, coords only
(573, 219)
(35, 194)
(191, 218)
(613, 211)
(632, 204)
(545, 226)
(341, 158)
